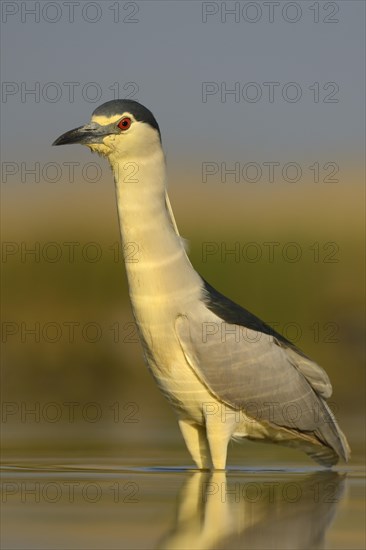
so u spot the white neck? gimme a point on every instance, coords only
(156, 262)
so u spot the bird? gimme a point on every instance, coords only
(227, 374)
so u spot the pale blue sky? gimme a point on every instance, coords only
(168, 53)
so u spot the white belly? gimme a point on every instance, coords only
(175, 378)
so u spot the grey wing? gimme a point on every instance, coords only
(314, 374)
(253, 371)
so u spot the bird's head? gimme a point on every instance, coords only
(120, 128)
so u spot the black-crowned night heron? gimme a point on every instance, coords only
(226, 373)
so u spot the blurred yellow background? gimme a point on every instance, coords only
(73, 372)
(84, 378)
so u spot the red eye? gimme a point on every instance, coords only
(124, 123)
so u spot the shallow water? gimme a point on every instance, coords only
(101, 503)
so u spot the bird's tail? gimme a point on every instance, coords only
(326, 444)
(334, 442)
(323, 453)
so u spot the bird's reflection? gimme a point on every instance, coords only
(291, 511)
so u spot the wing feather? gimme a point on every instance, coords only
(255, 372)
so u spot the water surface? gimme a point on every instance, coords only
(101, 503)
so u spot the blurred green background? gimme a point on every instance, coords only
(82, 371)
(70, 348)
